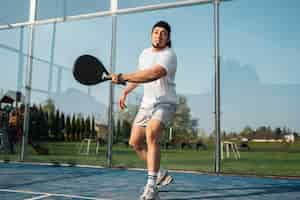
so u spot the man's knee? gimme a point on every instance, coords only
(152, 138)
(153, 132)
(137, 146)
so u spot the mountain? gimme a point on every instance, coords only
(75, 101)
(256, 105)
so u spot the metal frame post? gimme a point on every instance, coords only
(217, 129)
(21, 60)
(28, 78)
(51, 64)
(113, 8)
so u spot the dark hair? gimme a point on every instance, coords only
(166, 26)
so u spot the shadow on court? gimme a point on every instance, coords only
(25, 181)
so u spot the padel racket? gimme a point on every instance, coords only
(88, 70)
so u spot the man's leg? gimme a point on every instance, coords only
(153, 134)
(161, 117)
(136, 141)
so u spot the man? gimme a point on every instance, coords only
(157, 68)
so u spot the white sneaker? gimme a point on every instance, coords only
(150, 193)
(163, 178)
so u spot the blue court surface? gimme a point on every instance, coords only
(31, 182)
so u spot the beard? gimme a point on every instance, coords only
(157, 46)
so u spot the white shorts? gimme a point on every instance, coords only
(162, 112)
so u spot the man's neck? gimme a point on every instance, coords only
(154, 49)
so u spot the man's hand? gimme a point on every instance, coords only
(122, 101)
(114, 78)
(117, 78)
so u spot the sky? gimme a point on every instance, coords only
(259, 46)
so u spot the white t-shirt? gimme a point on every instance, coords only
(163, 89)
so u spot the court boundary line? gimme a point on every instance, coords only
(46, 194)
(170, 170)
(39, 197)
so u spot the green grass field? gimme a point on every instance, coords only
(263, 159)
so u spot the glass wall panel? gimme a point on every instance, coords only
(69, 123)
(138, 3)
(60, 8)
(187, 143)
(260, 87)
(12, 77)
(14, 11)
(74, 116)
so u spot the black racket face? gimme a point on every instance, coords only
(88, 70)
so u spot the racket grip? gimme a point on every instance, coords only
(107, 78)
(121, 80)
(122, 83)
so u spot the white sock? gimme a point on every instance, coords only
(152, 176)
(160, 170)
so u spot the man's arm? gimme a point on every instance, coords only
(144, 76)
(129, 87)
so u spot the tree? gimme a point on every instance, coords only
(88, 126)
(33, 124)
(68, 128)
(49, 106)
(182, 117)
(277, 133)
(246, 132)
(57, 126)
(51, 124)
(264, 132)
(78, 129)
(182, 122)
(82, 129)
(125, 119)
(93, 127)
(43, 124)
(126, 128)
(73, 128)
(62, 125)
(118, 135)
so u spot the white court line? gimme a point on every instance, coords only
(51, 194)
(21, 191)
(39, 197)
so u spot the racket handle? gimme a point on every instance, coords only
(107, 78)
(122, 83)
(121, 80)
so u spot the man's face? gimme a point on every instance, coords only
(160, 37)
